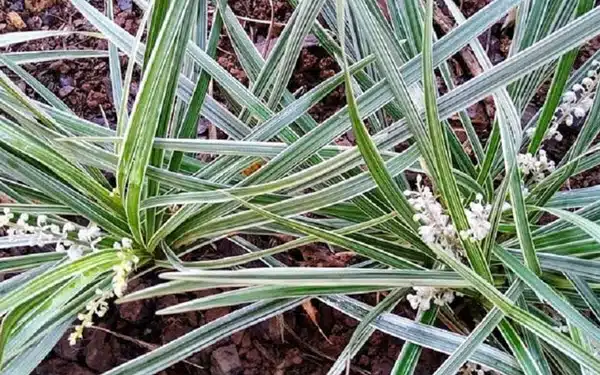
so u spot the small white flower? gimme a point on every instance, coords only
(43, 238)
(22, 222)
(6, 217)
(76, 335)
(587, 104)
(588, 82)
(68, 227)
(569, 120)
(569, 97)
(127, 243)
(579, 112)
(530, 131)
(88, 234)
(122, 271)
(41, 220)
(94, 243)
(526, 163)
(75, 252)
(575, 103)
(553, 132)
(424, 295)
(536, 167)
(557, 136)
(561, 329)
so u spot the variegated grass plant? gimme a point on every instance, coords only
(472, 230)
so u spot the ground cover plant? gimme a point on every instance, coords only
(440, 218)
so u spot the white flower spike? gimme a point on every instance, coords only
(575, 104)
(436, 227)
(99, 306)
(44, 233)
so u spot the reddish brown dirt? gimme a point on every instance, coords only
(83, 84)
(292, 345)
(313, 66)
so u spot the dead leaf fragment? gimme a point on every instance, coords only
(252, 168)
(510, 19)
(16, 20)
(312, 313)
(38, 5)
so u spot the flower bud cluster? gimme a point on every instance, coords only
(128, 262)
(561, 329)
(535, 167)
(436, 227)
(424, 295)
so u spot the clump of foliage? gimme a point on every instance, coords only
(113, 203)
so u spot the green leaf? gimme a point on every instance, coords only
(308, 276)
(35, 84)
(336, 239)
(481, 333)
(27, 36)
(30, 359)
(95, 263)
(546, 293)
(261, 293)
(32, 57)
(114, 65)
(410, 353)
(144, 119)
(24, 262)
(587, 293)
(367, 148)
(190, 122)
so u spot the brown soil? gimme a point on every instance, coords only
(292, 345)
